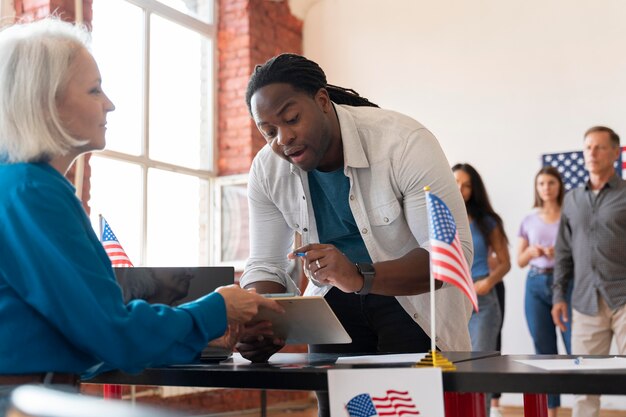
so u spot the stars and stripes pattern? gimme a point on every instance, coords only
(394, 403)
(112, 246)
(571, 166)
(447, 262)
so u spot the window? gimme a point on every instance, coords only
(153, 183)
(7, 12)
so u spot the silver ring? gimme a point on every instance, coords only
(317, 262)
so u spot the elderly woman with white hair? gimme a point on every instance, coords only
(62, 312)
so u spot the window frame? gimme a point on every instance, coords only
(209, 30)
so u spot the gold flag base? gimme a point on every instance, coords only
(435, 360)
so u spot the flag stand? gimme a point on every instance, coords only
(435, 359)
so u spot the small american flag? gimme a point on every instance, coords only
(447, 262)
(116, 252)
(571, 166)
(394, 403)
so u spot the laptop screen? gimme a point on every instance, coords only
(172, 285)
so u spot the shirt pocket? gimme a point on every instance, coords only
(389, 227)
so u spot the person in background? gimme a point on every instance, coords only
(537, 236)
(349, 178)
(62, 312)
(589, 255)
(489, 239)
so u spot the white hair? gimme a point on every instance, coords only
(35, 59)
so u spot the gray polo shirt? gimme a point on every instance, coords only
(591, 247)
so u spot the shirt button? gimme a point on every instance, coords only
(415, 316)
(304, 197)
(386, 220)
(305, 229)
(352, 197)
(364, 231)
(296, 225)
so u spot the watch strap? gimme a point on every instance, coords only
(368, 272)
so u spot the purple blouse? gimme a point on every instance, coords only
(538, 232)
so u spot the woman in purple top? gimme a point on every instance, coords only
(537, 235)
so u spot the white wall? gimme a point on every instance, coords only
(498, 82)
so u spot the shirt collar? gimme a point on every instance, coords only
(613, 182)
(353, 152)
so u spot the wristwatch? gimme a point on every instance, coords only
(368, 272)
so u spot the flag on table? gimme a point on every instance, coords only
(571, 166)
(447, 262)
(394, 403)
(112, 246)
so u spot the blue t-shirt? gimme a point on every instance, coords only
(480, 266)
(335, 222)
(61, 308)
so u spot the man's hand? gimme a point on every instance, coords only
(330, 266)
(560, 316)
(257, 343)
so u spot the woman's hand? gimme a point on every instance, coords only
(242, 305)
(483, 286)
(230, 338)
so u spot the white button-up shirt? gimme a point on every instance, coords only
(389, 159)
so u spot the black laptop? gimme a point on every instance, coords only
(174, 286)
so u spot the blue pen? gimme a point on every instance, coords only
(300, 254)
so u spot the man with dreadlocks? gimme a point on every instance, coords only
(349, 178)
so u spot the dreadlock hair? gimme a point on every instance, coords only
(478, 206)
(303, 75)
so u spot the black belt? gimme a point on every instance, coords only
(41, 378)
(542, 270)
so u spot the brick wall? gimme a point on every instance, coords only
(249, 33)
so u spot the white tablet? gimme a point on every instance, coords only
(308, 320)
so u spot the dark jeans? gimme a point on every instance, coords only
(538, 308)
(376, 324)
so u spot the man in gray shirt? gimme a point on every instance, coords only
(590, 254)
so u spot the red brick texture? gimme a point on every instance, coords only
(249, 33)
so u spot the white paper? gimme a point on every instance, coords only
(392, 358)
(579, 364)
(403, 391)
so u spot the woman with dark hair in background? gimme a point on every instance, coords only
(537, 236)
(489, 240)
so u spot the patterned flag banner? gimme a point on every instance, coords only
(447, 262)
(571, 166)
(112, 246)
(402, 392)
(393, 403)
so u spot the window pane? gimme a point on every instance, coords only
(117, 47)
(180, 82)
(177, 219)
(201, 9)
(116, 194)
(234, 223)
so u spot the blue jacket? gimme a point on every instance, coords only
(60, 306)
